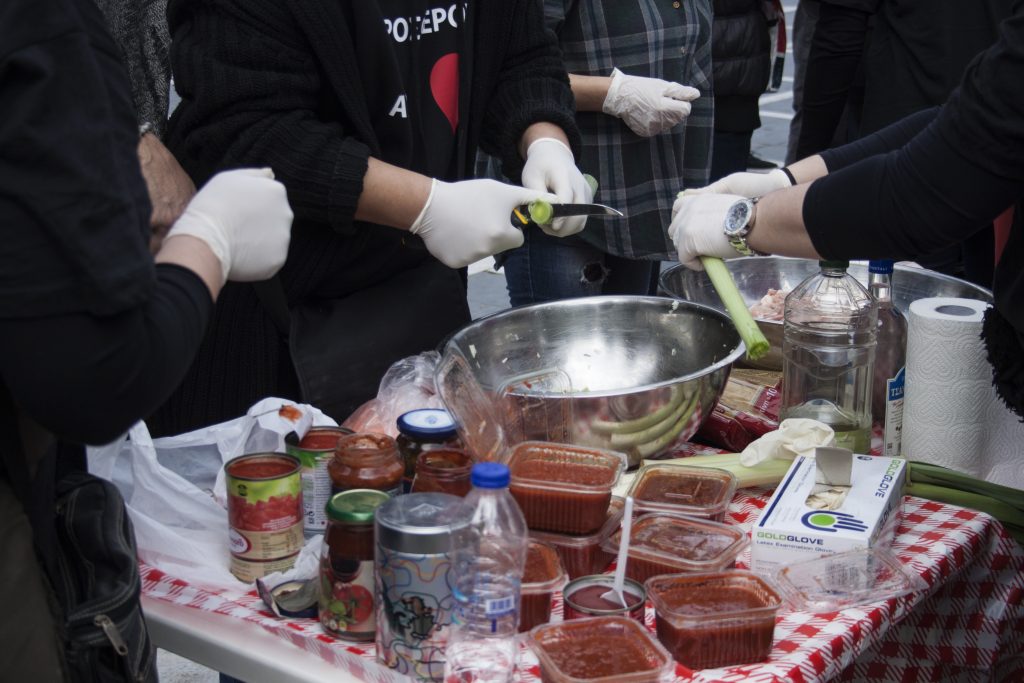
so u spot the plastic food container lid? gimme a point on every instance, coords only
(696, 491)
(857, 577)
(427, 422)
(688, 543)
(704, 597)
(567, 649)
(561, 467)
(551, 575)
(615, 510)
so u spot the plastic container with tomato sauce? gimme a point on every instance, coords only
(366, 461)
(563, 488)
(714, 619)
(582, 555)
(600, 650)
(542, 577)
(702, 492)
(314, 451)
(669, 544)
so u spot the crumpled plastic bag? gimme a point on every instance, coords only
(407, 385)
(796, 436)
(175, 491)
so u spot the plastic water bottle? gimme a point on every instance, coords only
(489, 556)
(890, 359)
(828, 351)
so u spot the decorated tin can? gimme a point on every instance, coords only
(264, 513)
(315, 451)
(414, 581)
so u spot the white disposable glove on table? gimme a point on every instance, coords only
(245, 219)
(466, 221)
(550, 167)
(746, 184)
(649, 106)
(697, 228)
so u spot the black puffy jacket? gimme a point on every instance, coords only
(740, 52)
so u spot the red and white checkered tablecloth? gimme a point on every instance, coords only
(968, 625)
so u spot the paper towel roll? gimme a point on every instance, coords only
(951, 415)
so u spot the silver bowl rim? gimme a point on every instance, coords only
(672, 303)
(664, 276)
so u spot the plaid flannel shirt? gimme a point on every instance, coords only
(640, 176)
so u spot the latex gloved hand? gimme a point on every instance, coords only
(796, 436)
(747, 185)
(648, 105)
(245, 219)
(466, 221)
(550, 167)
(697, 228)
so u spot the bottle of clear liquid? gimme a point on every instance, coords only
(489, 557)
(828, 352)
(890, 359)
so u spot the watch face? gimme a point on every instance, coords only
(737, 218)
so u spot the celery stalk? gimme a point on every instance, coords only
(750, 333)
(541, 211)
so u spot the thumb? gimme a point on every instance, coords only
(525, 195)
(678, 91)
(264, 172)
(679, 110)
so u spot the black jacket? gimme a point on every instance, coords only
(741, 54)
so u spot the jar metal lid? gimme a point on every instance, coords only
(427, 422)
(356, 506)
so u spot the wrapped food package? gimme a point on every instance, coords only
(748, 409)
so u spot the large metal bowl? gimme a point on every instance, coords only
(754, 276)
(589, 367)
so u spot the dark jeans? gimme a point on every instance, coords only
(729, 153)
(549, 268)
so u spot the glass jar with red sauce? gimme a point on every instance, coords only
(599, 650)
(714, 619)
(443, 470)
(366, 461)
(584, 597)
(347, 565)
(541, 578)
(422, 429)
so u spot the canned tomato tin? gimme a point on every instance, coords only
(414, 581)
(264, 513)
(584, 597)
(315, 451)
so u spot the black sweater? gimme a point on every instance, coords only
(275, 83)
(936, 177)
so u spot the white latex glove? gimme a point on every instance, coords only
(245, 219)
(747, 185)
(466, 221)
(796, 436)
(550, 167)
(649, 106)
(697, 228)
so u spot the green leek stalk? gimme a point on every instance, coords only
(767, 473)
(541, 211)
(750, 333)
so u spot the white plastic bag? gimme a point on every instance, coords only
(174, 486)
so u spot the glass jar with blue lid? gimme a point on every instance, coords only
(423, 429)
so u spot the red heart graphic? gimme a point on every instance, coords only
(444, 85)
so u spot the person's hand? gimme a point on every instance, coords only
(170, 188)
(747, 185)
(649, 106)
(697, 228)
(466, 221)
(550, 167)
(245, 219)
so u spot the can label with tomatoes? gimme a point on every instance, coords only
(264, 512)
(315, 451)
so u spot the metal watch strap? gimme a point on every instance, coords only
(739, 241)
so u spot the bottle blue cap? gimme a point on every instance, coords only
(489, 475)
(881, 266)
(427, 422)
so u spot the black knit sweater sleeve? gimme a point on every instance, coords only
(251, 95)
(532, 86)
(891, 137)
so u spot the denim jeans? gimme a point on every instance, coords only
(549, 268)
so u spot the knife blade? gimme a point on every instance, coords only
(521, 214)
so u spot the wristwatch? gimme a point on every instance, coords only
(739, 220)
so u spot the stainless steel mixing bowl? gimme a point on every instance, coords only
(627, 373)
(754, 276)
